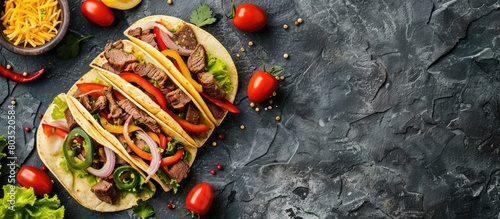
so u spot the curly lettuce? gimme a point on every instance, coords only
(219, 70)
(19, 202)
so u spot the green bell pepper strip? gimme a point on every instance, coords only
(70, 152)
(136, 178)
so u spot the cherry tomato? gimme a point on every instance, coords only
(249, 17)
(261, 86)
(97, 12)
(30, 176)
(200, 198)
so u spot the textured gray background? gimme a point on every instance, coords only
(390, 109)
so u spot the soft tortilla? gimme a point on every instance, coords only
(79, 188)
(140, 98)
(92, 75)
(212, 46)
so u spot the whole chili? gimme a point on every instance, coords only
(19, 77)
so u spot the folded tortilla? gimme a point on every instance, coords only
(208, 41)
(93, 75)
(50, 151)
(141, 98)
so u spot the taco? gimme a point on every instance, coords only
(86, 164)
(133, 130)
(131, 69)
(191, 54)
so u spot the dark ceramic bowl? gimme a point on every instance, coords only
(62, 29)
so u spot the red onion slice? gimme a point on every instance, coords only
(173, 46)
(153, 147)
(163, 29)
(108, 167)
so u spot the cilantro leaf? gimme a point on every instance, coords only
(202, 16)
(144, 210)
(70, 46)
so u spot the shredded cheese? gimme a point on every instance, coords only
(30, 22)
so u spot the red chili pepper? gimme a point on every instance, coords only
(223, 103)
(49, 130)
(172, 159)
(159, 41)
(19, 77)
(162, 101)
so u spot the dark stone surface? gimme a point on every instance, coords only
(389, 109)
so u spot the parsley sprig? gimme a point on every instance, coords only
(202, 16)
(70, 46)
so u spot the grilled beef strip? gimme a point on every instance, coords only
(210, 85)
(139, 115)
(185, 38)
(217, 111)
(150, 71)
(115, 112)
(177, 171)
(70, 119)
(197, 61)
(137, 32)
(149, 39)
(96, 106)
(116, 57)
(192, 114)
(105, 191)
(177, 98)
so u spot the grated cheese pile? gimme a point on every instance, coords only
(30, 22)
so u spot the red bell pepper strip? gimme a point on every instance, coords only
(172, 159)
(162, 101)
(159, 41)
(163, 141)
(223, 103)
(49, 130)
(148, 87)
(93, 89)
(20, 77)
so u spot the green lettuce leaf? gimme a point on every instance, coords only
(19, 202)
(144, 210)
(59, 109)
(218, 68)
(3, 144)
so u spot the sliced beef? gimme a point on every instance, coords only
(139, 115)
(117, 58)
(135, 32)
(177, 171)
(192, 114)
(150, 71)
(216, 110)
(96, 106)
(140, 143)
(210, 85)
(196, 61)
(185, 38)
(120, 161)
(70, 119)
(108, 67)
(149, 39)
(123, 142)
(177, 98)
(115, 112)
(105, 191)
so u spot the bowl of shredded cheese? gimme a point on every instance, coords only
(33, 27)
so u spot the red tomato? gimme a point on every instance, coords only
(30, 176)
(97, 12)
(261, 86)
(200, 198)
(249, 17)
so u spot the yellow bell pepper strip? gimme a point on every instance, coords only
(117, 129)
(154, 136)
(182, 68)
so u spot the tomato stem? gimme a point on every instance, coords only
(274, 71)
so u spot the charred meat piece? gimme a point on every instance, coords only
(137, 32)
(105, 191)
(216, 110)
(149, 39)
(115, 111)
(70, 119)
(108, 67)
(117, 58)
(196, 61)
(150, 71)
(96, 106)
(192, 114)
(139, 115)
(210, 85)
(185, 38)
(177, 98)
(177, 171)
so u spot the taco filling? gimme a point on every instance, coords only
(139, 134)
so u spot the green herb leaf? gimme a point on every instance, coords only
(144, 210)
(70, 46)
(3, 144)
(202, 16)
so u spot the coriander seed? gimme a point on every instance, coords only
(250, 43)
(285, 55)
(285, 26)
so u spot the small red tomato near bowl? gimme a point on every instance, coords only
(97, 12)
(30, 176)
(200, 198)
(249, 17)
(262, 84)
